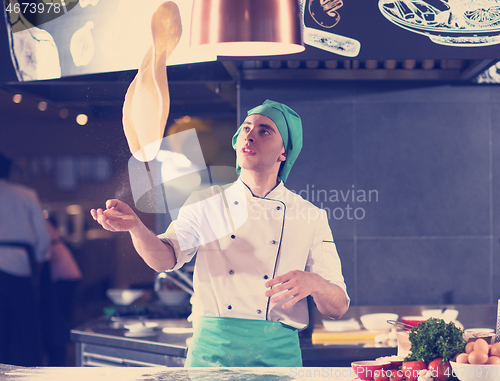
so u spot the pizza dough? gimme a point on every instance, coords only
(147, 102)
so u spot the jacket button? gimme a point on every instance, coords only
(236, 203)
(229, 307)
(273, 242)
(233, 236)
(265, 277)
(259, 312)
(278, 208)
(231, 272)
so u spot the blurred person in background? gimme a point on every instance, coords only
(24, 244)
(59, 279)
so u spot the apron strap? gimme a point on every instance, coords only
(235, 342)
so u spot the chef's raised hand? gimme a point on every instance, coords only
(294, 285)
(118, 216)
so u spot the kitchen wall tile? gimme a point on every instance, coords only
(494, 92)
(431, 171)
(495, 199)
(420, 92)
(423, 271)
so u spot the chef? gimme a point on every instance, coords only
(261, 250)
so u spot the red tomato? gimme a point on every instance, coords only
(380, 375)
(395, 375)
(412, 369)
(440, 371)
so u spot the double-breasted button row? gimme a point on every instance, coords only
(229, 307)
(273, 241)
(231, 272)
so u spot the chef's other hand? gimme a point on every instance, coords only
(118, 216)
(294, 284)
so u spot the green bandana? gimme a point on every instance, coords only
(290, 128)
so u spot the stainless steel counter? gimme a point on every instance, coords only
(106, 342)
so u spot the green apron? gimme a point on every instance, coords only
(234, 342)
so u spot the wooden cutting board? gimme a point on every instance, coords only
(322, 336)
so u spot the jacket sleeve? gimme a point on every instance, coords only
(323, 257)
(183, 233)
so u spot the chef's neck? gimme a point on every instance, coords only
(260, 184)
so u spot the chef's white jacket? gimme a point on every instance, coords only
(241, 241)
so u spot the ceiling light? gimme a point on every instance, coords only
(63, 113)
(42, 106)
(17, 98)
(247, 27)
(82, 119)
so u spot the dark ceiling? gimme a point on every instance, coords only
(209, 89)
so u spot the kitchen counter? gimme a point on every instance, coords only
(470, 315)
(106, 342)
(13, 373)
(103, 342)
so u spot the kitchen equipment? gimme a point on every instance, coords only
(124, 297)
(399, 324)
(173, 288)
(377, 322)
(497, 335)
(172, 297)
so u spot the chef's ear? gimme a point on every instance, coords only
(282, 156)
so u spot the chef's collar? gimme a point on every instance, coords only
(276, 194)
(290, 127)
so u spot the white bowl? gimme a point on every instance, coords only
(447, 315)
(474, 372)
(124, 297)
(378, 322)
(172, 297)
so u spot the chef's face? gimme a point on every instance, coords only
(259, 146)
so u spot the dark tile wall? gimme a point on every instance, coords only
(410, 177)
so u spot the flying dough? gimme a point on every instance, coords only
(147, 102)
